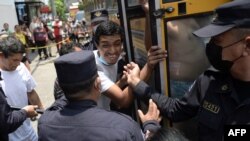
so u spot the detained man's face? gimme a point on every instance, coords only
(110, 48)
(12, 62)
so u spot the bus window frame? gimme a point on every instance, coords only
(134, 12)
(154, 25)
(131, 12)
(166, 45)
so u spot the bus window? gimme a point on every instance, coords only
(187, 58)
(137, 33)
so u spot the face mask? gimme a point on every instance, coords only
(103, 61)
(214, 55)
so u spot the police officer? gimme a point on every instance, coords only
(217, 97)
(81, 119)
(97, 17)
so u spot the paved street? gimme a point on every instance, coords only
(44, 73)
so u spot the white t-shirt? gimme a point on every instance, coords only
(15, 85)
(33, 26)
(108, 76)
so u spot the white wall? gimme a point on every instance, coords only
(6, 2)
(8, 14)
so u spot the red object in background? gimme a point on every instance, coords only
(45, 9)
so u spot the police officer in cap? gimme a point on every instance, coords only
(218, 97)
(81, 119)
(97, 17)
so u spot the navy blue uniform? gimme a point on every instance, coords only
(213, 98)
(9, 120)
(84, 121)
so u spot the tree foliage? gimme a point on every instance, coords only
(81, 6)
(60, 9)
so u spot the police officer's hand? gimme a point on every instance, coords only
(155, 55)
(132, 72)
(31, 110)
(152, 114)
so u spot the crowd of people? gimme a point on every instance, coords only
(41, 32)
(93, 76)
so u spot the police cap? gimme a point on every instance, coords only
(228, 16)
(99, 15)
(76, 67)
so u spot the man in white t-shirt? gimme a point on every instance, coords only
(18, 85)
(108, 39)
(58, 31)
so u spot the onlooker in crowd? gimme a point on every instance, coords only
(18, 85)
(33, 24)
(85, 29)
(108, 40)
(67, 31)
(57, 26)
(41, 39)
(21, 37)
(97, 17)
(32, 27)
(81, 119)
(29, 39)
(11, 119)
(6, 29)
(74, 34)
(79, 32)
(218, 97)
(51, 36)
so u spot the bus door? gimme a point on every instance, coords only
(132, 19)
(172, 24)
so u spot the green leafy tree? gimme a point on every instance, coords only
(81, 6)
(60, 9)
